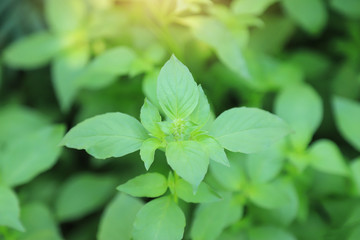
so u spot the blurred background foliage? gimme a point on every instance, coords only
(63, 61)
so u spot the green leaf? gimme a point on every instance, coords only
(248, 130)
(9, 209)
(201, 113)
(264, 166)
(251, 7)
(33, 51)
(269, 233)
(147, 185)
(177, 92)
(64, 16)
(311, 15)
(350, 8)
(226, 47)
(147, 151)
(118, 219)
(150, 116)
(211, 218)
(355, 170)
(160, 219)
(107, 135)
(105, 68)
(267, 195)
(214, 149)
(189, 160)
(301, 107)
(65, 69)
(77, 196)
(326, 157)
(232, 178)
(204, 193)
(24, 158)
(347, 114)
(39, 223)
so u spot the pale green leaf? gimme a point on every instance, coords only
(65, 68)
(201, 113)
(250, 6)
(107, 135)
(105, 68)
(311, 15)
(270, 233)
(264, 166)
(9, 209)
(267, 195)
(350, 8)
(326, 157)
(232, 178)
(147, 151)
(64, 16)
(160, 219)
(150, 116)
(203, 194)
(177, 92)
(214, 149)
(189, 160)
(147, 185)
(118, 219)
(301, 107)
(347, 115)
(83, 194)
(39, 223)
(32, 51)
(24, 158)
(248, 130)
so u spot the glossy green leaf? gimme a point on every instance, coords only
(146, 185)
(267, 195)
(347, 113)
(350, 8)
(83, 194)
(301, 107)
(248, 130)
(105, 68)
(311, 15)
(270, 233)
(150, 116)
(147, 151)
(177, 92)
(189, 160)
(326, 157)
(118, 218)
(25, 157)
(107, 135)
(64, 16)
(39, 223)
(203, 194)
(33, 51)
(160, 219)
(214, 149)
(9, 209)
(66, 67)
(201, 113)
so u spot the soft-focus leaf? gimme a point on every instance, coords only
(355, 171)
(347, 114)
(270, 233)
(177, 92)
(9, 209)
(146, 185)
(301, 107)
(267, 195)
(350, 8)
(248, 130)
(203, 194)
(82, 194)
(107, 135)
(214, 149)
(147, 151)
(118, 219)
(160, 219)
(201, 113)
(24, 158)
(150, 116)
(189, 160)
(250, 6)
